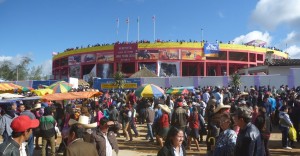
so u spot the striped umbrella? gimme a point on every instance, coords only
(149, 90)
(61, 87)
(177, 91)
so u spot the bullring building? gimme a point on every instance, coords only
(165, 59)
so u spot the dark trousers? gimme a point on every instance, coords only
(285, 132)
(266, 144)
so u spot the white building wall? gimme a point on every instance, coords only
(282, 70)
(247, 80)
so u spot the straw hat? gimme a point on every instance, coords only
(84, 121)
(221, 106)
(38, 105)
(165, 108)
(244, 93)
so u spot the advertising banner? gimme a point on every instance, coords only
(88, 58)
(168, 69)
(169, 54)
(105, 70)
(125, 52)
(211, 49)
(105, 57)
(150, 66)
(147, 55)
(75, 59)
(104, 84)
(191, 55)
(75, 71)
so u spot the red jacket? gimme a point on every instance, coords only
(164, 121)
(194, 120)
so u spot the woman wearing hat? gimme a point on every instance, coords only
(163, 124)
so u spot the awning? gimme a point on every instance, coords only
(70, 96)
(177, 91)
(8, 86)
(9, 95)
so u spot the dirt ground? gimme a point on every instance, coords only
(141, 147)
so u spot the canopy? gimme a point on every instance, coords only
(149, 90)
(70, 95)
(9, 95)
(41, 92)
(177, 91)
(144, 72)
(81, 82)
(8, 86)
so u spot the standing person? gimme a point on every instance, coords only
(263, 123)
(226, 140)
(249, 139)
(194, 128)
(285, 124)
(105, 140)
(179, 117)
(149, 119)
(77, 147)
(5, 121)
(47, 130)
(174, 143)
(22, 129)
(127, 117)
(163, 124)
(28, 112)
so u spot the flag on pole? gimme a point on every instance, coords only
(54, 53)
(153, 18)
(118, 24)
(127, 20)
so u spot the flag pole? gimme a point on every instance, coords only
(153, 18)
(127, 27)
(118, 24)
(138, 22)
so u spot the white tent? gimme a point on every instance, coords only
(9, 96)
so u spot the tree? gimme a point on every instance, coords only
(235, 81)
(119, 78)
(35, 73)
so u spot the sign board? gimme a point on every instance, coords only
(125, 52)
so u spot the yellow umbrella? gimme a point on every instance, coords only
(42, 92)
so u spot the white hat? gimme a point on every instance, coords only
(84, 121)
(38, 105)
(165, 108)
(221, 106)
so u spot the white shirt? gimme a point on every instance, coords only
(109, 150)
(23, 149)
(180, 152)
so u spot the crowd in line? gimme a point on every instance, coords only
(234, 122)
(158, 41)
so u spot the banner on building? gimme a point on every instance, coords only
(168, 69)
(104, 84)
(125, 52)
(211, 49)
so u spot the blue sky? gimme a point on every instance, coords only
(37, 28)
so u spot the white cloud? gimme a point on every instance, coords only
(292, 38)
(293, 51)
(254, 35)
(271, 13)
(5, 58)
(47, 67)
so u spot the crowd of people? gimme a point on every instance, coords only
(234, 122)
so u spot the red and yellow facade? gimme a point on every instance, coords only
(163, 58)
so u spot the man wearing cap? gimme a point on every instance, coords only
(22, 129)
(27, 112)
(249, 139)
(106, 142)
